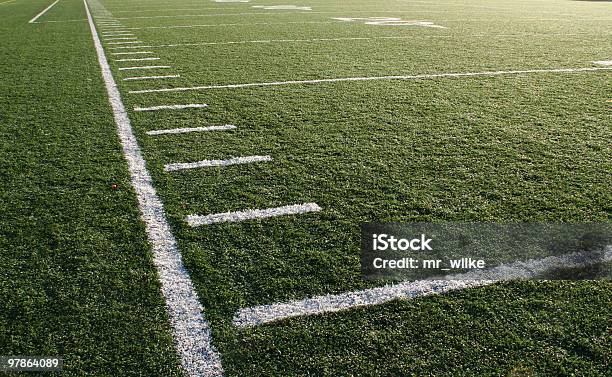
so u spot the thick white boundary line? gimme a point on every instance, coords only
(251, 214)
(217, 163)
(373, 78)
(43, 12)
(194, 129)
(192, 333)
(172, 107)
(258, 315)
(150, 77)
(145, 67)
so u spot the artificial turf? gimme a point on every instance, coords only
(532, 147)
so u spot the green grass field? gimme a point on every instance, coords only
(498, 113)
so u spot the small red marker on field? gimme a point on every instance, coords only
(114, 186)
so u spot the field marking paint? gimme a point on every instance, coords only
(604, 62)
(136, 59)
(217, 163)
(129, 47)
(340, 39)
(6, 2)
(120, 38)
(123, 43)
(269, 14)
(233, 24)
(151, 77)
(282, 7)
(251, 214)
(172, 107)
(193, 129)
(145, 67)
(258, 315)
(43, 12)
(132, 53)
(192, 333)
(373, 78)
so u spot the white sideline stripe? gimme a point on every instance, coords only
(258, 315)
(172, 107)
(120, 38)
(216, 163)
(251, 214)
(603, 62)
(192, 333)
(194, 129)
(136, 59)
(123, 43)
(373, 78)
(145, 67)
(43, 12)
(117, 34)
(132, 53)
(151, 77)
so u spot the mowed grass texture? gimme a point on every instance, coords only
(530, 147)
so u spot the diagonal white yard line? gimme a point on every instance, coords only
(43, 12)
(119, 38)
(364, 39)
(172, 107)
(258, 315)
(129, 47)
(6, 2)
(192, 333)
(373, 78)
(193, 129)
(217, 163)
(150, 77)
(136, 60)
(145, 67)
(232, 24)
(251, 214)
(132, 53)
(124, 43)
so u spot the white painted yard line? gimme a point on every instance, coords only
(172, 107)
(136, 59)
(604, 62)
(125, 34)
(232, 24)
(272, 13)
(151, 77)
(6, 2)
(123, 43)
(194, 129)
(129, 47)
(258, 315)
(192, 333)
(355, 39)
(132, 53)
(43, 12)
(217, 163)
(120, 38)
(373, 78)
(145, 67)
(251, 214)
